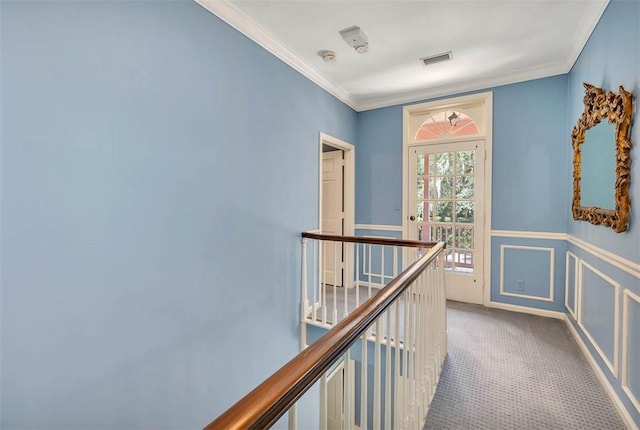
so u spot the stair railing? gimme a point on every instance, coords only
(403, 328)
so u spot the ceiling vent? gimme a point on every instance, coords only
(427, 61)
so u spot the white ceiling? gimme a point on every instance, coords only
(493, 42)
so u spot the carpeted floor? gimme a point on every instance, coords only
(507, 370)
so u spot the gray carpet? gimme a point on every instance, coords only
(507, 370)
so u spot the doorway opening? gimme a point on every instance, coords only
(336, 205)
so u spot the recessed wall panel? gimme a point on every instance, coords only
(527, 271)
(631, 347)
(598, 314)
(570, 283)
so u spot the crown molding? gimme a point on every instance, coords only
(245, 25)
(582, 36)
(230, 14)
(467, 86)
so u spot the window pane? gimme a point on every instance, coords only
(464, 162)
(420, 164)
(420, 188)
(464, 187)
(464, 212)
(441, 188)
(463, 261)
(464, 238)
(420, 212)
(444, 163)
(443, 212)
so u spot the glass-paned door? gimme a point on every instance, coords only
(446, 198)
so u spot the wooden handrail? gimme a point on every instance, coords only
(263, 406)
(370, 240)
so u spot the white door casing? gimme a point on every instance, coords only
(480, 108)
(348, 189)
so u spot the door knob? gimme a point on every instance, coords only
(412, 218)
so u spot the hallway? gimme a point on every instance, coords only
(509, 370)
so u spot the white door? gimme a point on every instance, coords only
(332, 215)
(446, 204)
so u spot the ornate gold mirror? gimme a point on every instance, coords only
(601, 158)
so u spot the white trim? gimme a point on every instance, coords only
(378, 227)
(624, 378)
(568, 256)
(545, 71)
(615, 260)
(375, 285)
(611, 258)
(622, 410)
(529, 234)
(552, 272)
(233, 16)
(613, 367)
(526, 310)
(582, 36)
(486, 98)
(349, 186)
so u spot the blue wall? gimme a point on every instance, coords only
(610, 59)
(379, 167)
(529, 158)
(157, 170)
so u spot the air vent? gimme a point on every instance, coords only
(427, 61)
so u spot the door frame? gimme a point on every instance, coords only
(349, 187)
(485, 100)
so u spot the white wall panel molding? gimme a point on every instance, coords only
(570, 256)
(529, 234)
(527, 310)
(611, 258)
(245, 25)
(552, 272)
(613, 366)
(627, 296)
(379, 227)
(624, 413)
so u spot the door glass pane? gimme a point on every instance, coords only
(446, 191)
(421, 160)
(444, 163)
(464, 211)
(443, 212)
(464, 237)
(464, 187)
(443, 188)
(465, 162)
(420, 188)
(432, 164)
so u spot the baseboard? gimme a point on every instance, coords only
(624, 413)
(527, 310)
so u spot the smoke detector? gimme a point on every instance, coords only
(355, 37)
(327, 56)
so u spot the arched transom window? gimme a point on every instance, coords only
(447, 124)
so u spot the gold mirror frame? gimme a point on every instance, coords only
(618, 110)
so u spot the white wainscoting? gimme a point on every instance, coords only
(378, 227)
(551, 251)
(571, 256)
(613, 367)
(627, 296)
